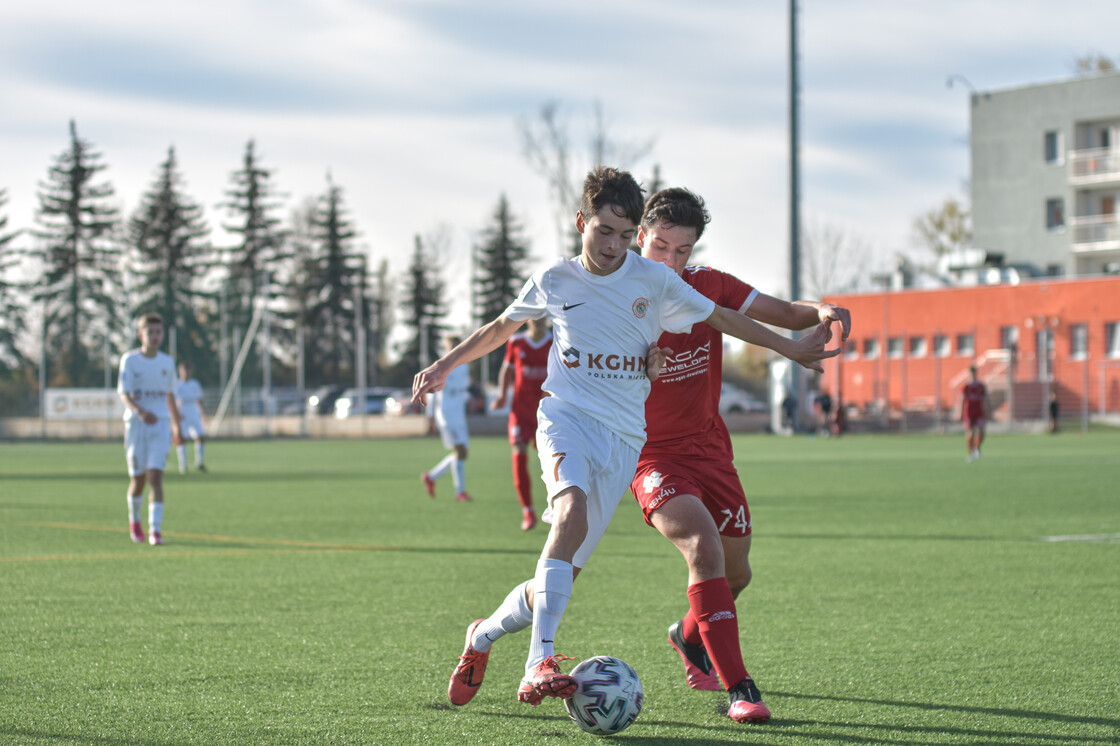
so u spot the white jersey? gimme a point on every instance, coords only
(148, 380)
(187, 396)
(451, 400)
(603, 327)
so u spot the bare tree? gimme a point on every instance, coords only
(547, 147)
(946, 228)
(833, 260)
(1094, 62)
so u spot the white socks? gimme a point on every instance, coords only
(135, 506)
(198, 448)
(155, 516)
(459, 476)
(442, 467)
(513, 615)
(553, 585)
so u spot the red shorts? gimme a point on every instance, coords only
(523, 426)
(972, 421)
(691, 470)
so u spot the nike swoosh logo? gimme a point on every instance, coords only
(567, 307)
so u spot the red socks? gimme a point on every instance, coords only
(712, 619)
(521, 481)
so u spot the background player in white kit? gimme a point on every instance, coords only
(451, 419)
(188, 397)
(147, 387)
(608, 308)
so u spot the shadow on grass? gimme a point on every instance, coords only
(23, 734)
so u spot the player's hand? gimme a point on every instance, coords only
(177, 438)
(428, 381)
(656, 357)
(828, 313)
(499, 401)
(149, 418)
(809, 350)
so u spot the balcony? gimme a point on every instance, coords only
(1095, 233)
(1094, 166)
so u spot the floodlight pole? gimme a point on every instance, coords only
(797, 375)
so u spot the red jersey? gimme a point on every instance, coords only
(974, 395)
(684, 400)
(529, 361)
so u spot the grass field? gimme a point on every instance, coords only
(311, 593)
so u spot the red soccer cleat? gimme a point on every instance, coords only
(429, 485)
(746, 704)
(155, 539)
(463, 497)
(468, 673)
(546, 680)
(136, 531)
(697, 665)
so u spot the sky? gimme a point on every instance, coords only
(412, 107)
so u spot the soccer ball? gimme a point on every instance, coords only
(609, 696)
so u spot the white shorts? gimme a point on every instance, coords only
(191, 426)
(453, 430)
(578, 451)
(146, 446)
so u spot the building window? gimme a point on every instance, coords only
(941, 346)
(894, 347)
(1055, 214)
(851, 350)
(918, 347)
(1008, 337)
(870, 348)
(1079, 341)
(1052, 147)
(966, 345)
(1112, 339)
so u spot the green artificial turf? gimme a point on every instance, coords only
(311, 593)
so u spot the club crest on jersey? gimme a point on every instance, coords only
(640, 307)
(570, 357)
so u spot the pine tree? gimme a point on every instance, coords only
(260, 253)
(423, 306)
(170, 257)
(79, 249)
(337, 275)
(501, 259)
(12, 311)
(380, 319)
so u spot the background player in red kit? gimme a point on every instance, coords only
(525, 365)
(686, 483)
(974, 411)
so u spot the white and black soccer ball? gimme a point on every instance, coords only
(609, 696)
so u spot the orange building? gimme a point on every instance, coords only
(910, 350)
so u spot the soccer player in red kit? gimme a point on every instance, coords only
(686, 482)
(525, 365)
(974, 411)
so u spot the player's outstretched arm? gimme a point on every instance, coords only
(798, 315)
(504, 375)
(486, 339)
(806, 351)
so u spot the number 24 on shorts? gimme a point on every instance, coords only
(739, 516)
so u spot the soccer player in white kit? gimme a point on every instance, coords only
(146, 385)
(188, 397)
(608, 308)
(451, 420)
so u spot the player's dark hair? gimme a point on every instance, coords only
(610, 186)
(676, 206)
(148, 319)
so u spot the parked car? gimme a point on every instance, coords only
(348, 405)
(322, 400)
(400, 402)
(734, 399)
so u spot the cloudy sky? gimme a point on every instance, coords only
(412, 105)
